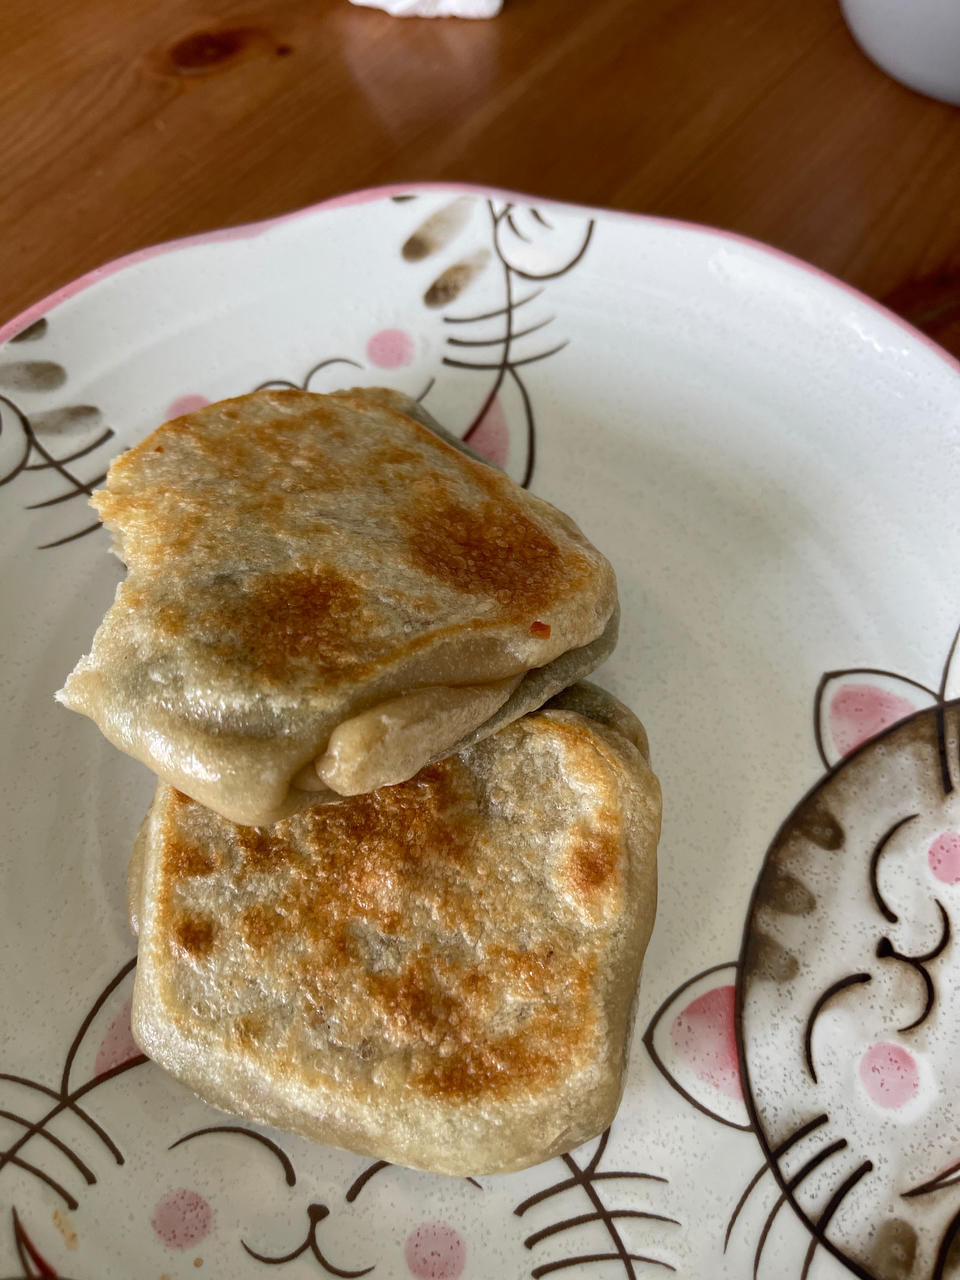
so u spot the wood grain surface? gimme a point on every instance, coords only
(126, 124)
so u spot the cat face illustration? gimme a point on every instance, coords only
(839, 1025)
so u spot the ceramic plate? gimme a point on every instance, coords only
(773, 465)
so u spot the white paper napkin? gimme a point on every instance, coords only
(435, 8)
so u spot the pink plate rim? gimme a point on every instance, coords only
(366, 195)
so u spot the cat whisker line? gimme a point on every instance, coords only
(833, 1204)
(87, 1022)
(66, 1099)
(61, 1191)
(27, 1253)
(84, 1170)
(946, 1178)
(789, 1187)
(808, 1258)
(810, 1126)
(66, 1103)
(767, 1226)
(75, 1109)
(764, 1168)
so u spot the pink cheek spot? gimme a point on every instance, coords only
(182, 1218)
(858, 712)
(118, 1045)
(944, 857)
(704, 1035)
(185, 404)
(889, 1075)
(390, 348)
(435, 1251)
(490, 437)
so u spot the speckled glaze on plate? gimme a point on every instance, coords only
(771, 462)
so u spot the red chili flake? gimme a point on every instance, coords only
(540, 629)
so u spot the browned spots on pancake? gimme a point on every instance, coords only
(251, 1030)
(184, 856)
(488, 549)
(315, 620)
(537, 1055)
(260, 850)
(392, 455)
(193, 936)
(552, 1035)
(185, 859)
(387, 916)
(259, 925)
(593, 866)
(449, 1007)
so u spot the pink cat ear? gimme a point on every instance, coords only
(692, 1039)
(851, 707)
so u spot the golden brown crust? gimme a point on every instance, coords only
(458, 952)
(341, 873)
(295, 560)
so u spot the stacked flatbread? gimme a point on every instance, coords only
(324, 594)
(386, 897)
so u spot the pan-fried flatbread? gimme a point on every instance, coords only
(325, 593)
(440, 974)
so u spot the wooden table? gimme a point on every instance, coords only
(126, 124)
